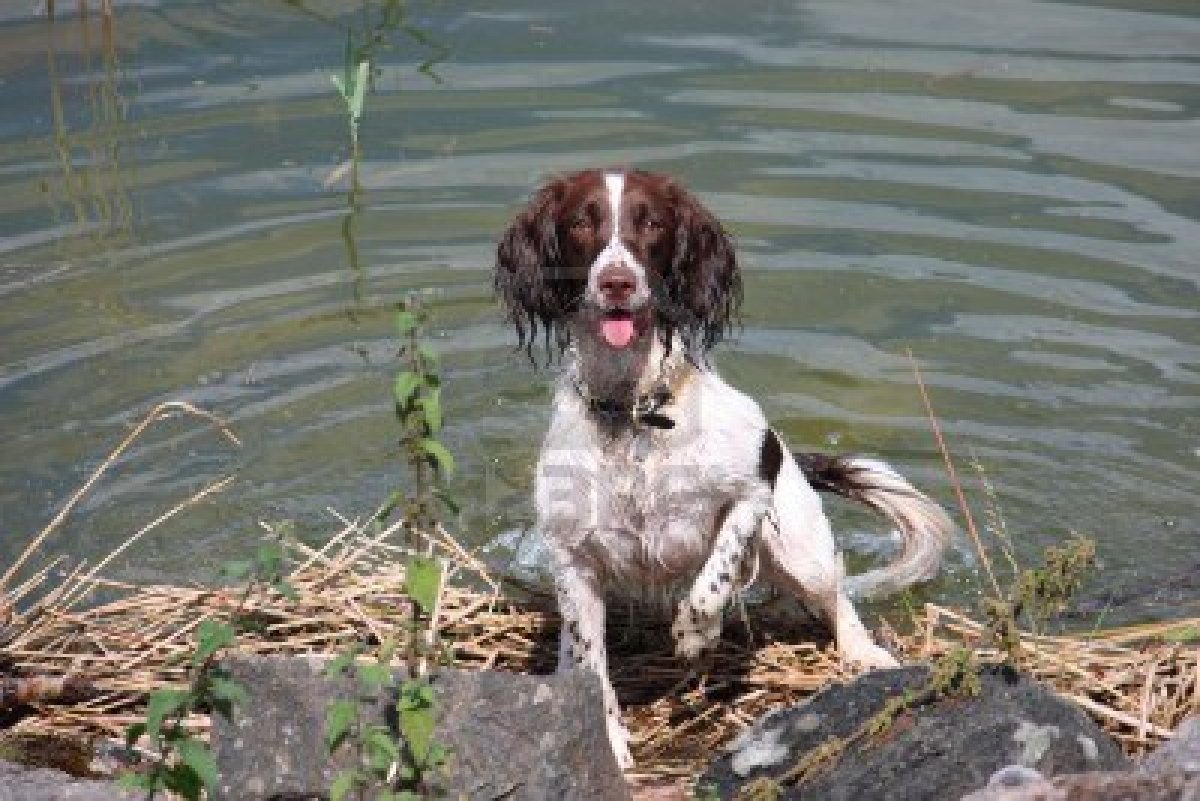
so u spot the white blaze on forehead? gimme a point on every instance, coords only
(615, 183)
(615, 251)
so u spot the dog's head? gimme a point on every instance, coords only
(620, 255)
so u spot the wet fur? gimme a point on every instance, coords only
(676, 514)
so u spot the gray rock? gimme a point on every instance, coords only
(512, 736)
(1180, 754)
(1172, 773)
(937, 751)
(19, 783)
(1089, 787)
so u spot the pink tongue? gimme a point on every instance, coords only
(617, 333)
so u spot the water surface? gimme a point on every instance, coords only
(1008, 189)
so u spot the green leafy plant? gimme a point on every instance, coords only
(183, 763)
(405, 764)
(1044, 592)
(409, 763)
(352, 86)
(354, 82)
(425, 759)
(1036, 594)
(417, 402)
(361, 53)
(375, 748)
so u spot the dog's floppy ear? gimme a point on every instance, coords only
(529, 275)
(704, 283)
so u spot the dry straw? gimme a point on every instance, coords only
(1137, 683)
(81, 652)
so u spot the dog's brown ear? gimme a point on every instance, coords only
(529, 275)
(704, 283)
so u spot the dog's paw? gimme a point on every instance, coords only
(694, 629)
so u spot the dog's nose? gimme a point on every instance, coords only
(617, 283)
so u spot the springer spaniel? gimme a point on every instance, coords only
(657, 479)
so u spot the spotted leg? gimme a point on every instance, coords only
(801, 558)
(581, 644)
(698, 618)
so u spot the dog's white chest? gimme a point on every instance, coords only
(644, 506)
(642, 510)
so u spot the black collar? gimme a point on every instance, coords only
(645, 411)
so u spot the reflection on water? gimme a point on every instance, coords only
(90, 190)
(1008, 190)
(364, 43)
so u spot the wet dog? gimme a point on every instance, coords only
(657, 479)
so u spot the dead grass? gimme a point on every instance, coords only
(1137, 682)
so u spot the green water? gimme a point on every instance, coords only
(1007, 188)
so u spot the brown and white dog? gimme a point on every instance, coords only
(657, 479)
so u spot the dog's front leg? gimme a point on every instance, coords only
(581, 644)
(698, 619)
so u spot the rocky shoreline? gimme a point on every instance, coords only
(541, 737)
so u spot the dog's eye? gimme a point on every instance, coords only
(653, 224)
(581, 223)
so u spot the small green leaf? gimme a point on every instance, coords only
(432, 406)
(226, 694)
(286, 590)
(406, 322)
(381, 749)
(413, 695)
(405, 387)
(415, 711)
(196, 756)
(161, 704)
(374, 677)
(342, 785)
(428, 357)
(269, 559)
(133, 733)
(359, 92)
(236, 570)
(341, 85)
(441, 456)
(182, 779)
(439, 755)
(340, 718)
(406, 772)
(423, 581)
(448, 501)
(385, 513)
(341, 663)
(211, 636)
(417, 728)
(132, 780)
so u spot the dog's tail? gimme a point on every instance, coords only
(924, 527)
